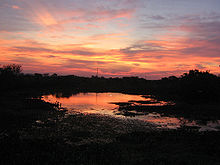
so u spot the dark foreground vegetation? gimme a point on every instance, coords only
(36, 132)
(80, 139)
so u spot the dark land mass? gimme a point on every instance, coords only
(36, 132)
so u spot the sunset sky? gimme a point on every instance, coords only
(145, 38)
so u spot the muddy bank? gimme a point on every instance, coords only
(17, 112)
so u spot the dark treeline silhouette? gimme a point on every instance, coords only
(11, 79)
(193, 86)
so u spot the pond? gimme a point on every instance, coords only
(116, 104)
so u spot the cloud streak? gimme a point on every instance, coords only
(121, 38)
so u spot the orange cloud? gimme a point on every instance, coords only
(15, 7)
(67, 59)
(108, 36)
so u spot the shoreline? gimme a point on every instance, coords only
(94, 139)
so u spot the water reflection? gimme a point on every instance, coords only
(110, 104)
(92, 102)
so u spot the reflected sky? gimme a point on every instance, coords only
(106, 104)
(93, 102)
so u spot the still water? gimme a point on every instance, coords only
(108, 104)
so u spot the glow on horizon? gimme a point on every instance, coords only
(122, 38)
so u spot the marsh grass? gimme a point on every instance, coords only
(94, 139)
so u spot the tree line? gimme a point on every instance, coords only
(194, 85)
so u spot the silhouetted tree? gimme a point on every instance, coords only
(54, 75)
(198, 75)
(11, 69)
